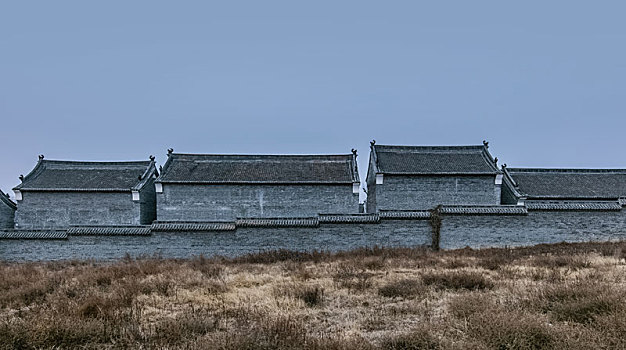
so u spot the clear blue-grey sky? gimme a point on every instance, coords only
(543, 81)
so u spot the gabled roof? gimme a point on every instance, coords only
(260, 169)
(541, 183)
(4, 198)
(433, 160)
(60, 175)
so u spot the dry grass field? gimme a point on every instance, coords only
(563, 296)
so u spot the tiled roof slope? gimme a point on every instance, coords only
(426, 160)
(57, 175)
(4, 198)
(570, 183)
(284, 169)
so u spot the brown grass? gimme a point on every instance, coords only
(561, 296)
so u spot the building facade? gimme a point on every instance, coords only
(422, 177)
(7, 211)
(60, 194)
(206, 187)
(565, 189)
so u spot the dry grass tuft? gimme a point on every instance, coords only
(561, 296)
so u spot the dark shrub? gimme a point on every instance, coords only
(350, 277)
(583, 311)
(555, 261)
(457, 280)
(209, 267)
(498, 329)
(405, 288)
(580, 302)
(466, 305)
(312, 296)
(92, 307)
(273, 256)
(493, 262)
(185, 327)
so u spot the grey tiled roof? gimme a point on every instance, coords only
(570, 183)
(405, 215)
(56, 175)
(456, 210)
(278, 222)
(192, 226)
(109, 231)
(484, 210)
(348, 218)
(301, 169)
(33, 234)
(7, 201)
(579, 206)
(416, 160)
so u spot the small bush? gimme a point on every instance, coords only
(455, 263)
(457, 280)
(494, 262)
(208, 267)
(310, 295)
(416, 340)
(185, 327)
(373, 263)
(405, 288)
(499, 329)
(466, 305)
(582, 311)
(349, 277)
(274, 256)
(92, 307)
(580, 302)
(556, 261)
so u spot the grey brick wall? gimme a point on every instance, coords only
(426, 192)
(62, 209)
(147, 199)
(332, 237)
(227, 202)
(537, 227)
(507, 195)
(457, 232)
(370, 181)
(7, 215)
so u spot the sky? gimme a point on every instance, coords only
(543, 81)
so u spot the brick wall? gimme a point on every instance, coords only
(538, 227)
(62, 209)
(332, 237)
(426, 192)
(147, 199)
(7, 215)
(457, 232)
(227, 202)
(508, 197)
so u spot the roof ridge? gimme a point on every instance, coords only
(57, 161)
(567, 170)
(260, 155)
(6, 199)
(433, 147)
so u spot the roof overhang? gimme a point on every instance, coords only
(253, 183)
